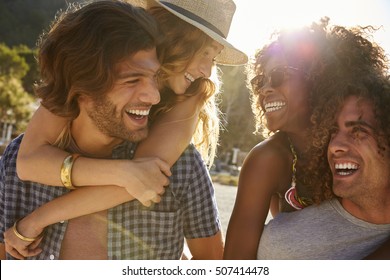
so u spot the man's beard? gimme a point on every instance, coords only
(110, 122)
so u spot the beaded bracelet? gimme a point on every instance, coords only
(66, 171)
(24, 238)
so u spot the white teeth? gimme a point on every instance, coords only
(189, 77)
(351, 166)
(274, 106)
(138, 112)
(345, 169)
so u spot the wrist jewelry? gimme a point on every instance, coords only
(66, 171)
(24, 238)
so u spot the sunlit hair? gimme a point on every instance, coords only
(79, 53)
(355, 66)
(301, 48)
(182, 42)
(338, 62)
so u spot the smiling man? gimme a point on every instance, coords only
(98, 67)
(351, 148)
(360, 164)
(356, 223)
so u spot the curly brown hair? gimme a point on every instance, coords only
(302, 48)
(352, 65)
(338, 62)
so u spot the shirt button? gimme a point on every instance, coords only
(52, 257)
(61, 222)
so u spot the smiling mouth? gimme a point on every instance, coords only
(189, 77)
(345, 169)
(138, 114)
(274, 106)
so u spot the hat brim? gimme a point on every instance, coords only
(228, 56)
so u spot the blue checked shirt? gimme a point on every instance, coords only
(187, 210)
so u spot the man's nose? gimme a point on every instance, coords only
(338, 143)
(150, 93)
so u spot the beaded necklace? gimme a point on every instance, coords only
(291, 195)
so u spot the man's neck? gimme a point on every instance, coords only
(376, 211)
(91, 141)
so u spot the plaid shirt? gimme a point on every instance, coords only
(187, 210)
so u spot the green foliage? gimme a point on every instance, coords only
(11, 63)
(32, 75)
(16, 105)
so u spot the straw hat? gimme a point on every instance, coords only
(213, 17)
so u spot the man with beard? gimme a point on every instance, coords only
(350, 154)
(355, 224)
(358, 222)
(98, 68)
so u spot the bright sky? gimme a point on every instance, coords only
(255, 20)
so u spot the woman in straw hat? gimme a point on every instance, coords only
(195, 34)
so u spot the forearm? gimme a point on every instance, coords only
(74, 204)
(172, 132)
(37, 159)
(41, 162)
(44, 167)
(208, 248)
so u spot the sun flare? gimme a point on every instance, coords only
(256, 20)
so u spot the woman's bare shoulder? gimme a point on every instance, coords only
(266, 168)
(275, 147)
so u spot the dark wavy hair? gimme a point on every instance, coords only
(78, 54)
(352, 65)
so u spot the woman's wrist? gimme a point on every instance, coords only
(28, 227)
(124, 171)
(99, 172)
(23, 237)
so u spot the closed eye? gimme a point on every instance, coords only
(132, 81)
(359, 131)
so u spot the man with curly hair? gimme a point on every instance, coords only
(351, 144)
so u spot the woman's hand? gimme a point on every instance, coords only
(19, 248)
(145, 179)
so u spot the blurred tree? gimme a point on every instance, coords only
(11, 63)
(32, 75)
(16, 105)
(238, 119)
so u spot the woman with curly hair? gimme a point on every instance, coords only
(294, 76)
(194, 41)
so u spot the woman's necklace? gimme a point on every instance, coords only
(291, 195)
